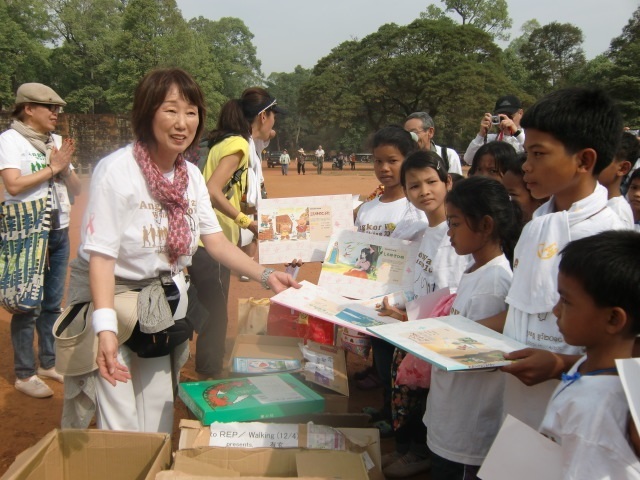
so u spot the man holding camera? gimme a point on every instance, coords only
(506, 118)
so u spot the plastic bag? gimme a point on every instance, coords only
(253, 315)
(285, 322)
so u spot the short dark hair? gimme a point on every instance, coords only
(634, 175)
(579, 118)
(151, 92)
(421, 159)
(514, 164)
(395, 136)
(502, 152)
(477, 197)
(629, 148)
(608, 267)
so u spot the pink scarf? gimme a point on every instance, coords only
(172, 198)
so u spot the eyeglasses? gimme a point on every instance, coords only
(51, 107)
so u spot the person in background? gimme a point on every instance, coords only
(319, 153)
(285, 160)
(612, 176)
(423, 126)
(32, 158)
(148, 182)
(352, 161)
(506, 118)
(633, 196)
(229, 178)
(513, 181)
(300, 159)
(588, 414)
(490, 160)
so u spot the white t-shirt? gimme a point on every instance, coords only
(516, 142)
(621, 207)
(588, 418)
(464, 409)
(17, 152)
(437, 264)
(124, 222)
(397, 219)
(319, 153)
(453, 158)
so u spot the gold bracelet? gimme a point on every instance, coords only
(242, 220)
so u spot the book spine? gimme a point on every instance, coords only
(190, 403)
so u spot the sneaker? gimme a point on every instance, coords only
(389, 458)
(244, 278)
(34, 387)
(50, 373)
(407, 466)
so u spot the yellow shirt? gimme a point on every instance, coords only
(229, 146)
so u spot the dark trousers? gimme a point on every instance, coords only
(212, 281)
(443, 469)
(383, 359)
(301, 167)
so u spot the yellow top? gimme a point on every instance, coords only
(226, 147)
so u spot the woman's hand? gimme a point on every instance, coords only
(61, 158)
(388, 310)
(109, 366)
(279, 281)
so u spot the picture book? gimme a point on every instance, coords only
(451, 343)
(354, 314)
(361, 265)
(300, 227)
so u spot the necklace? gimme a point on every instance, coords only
(570, 379)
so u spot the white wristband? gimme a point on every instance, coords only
(104, 319)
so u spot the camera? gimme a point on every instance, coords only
(54, 219)
(495, 120)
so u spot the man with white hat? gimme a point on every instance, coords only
(31, 159)
(300, 159)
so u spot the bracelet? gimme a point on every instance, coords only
(264, 277)
(242, 220)
(52, 173)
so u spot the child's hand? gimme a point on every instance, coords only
(533, 365)
(388, 310)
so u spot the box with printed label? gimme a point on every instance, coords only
(253, 398)
(323, 367)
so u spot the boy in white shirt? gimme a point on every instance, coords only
(598, 284)
(571, 136)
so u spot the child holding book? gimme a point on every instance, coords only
(464, 410)
(426, 182)
(598, 309)
(571, 136)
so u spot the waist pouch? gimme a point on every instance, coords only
(159, 344)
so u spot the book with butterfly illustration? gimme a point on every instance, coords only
(452, 343)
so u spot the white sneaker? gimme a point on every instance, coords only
(50, 373)
(34, 387)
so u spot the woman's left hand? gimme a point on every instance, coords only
(279, 281)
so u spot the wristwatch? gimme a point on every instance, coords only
(264, 277)
(516, 133)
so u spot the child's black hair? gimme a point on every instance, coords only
(420, 160)
(502, 152)
(629, 148)
(455, 177)
(477, 197)
(579, 118)
(514, 165)
(396, 136)
(635, 174)
(608, 267)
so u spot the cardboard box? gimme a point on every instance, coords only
(323, 366)
(95, 454)
(352, 452)
(253, 398)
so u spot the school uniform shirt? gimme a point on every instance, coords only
(17, 152)
(397, 219)
(464, 409)
(621, 207)
(125, 222)
(539, 328)
(437, 264)
(588, 418)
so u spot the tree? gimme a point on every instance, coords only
(513, 60)
(623, 79)
(452, 71)
(230, 44)
(553, 54)
(489, 16)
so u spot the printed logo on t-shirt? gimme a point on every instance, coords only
(383, 230)
(37, 161)
(154, 235)
(547, 251)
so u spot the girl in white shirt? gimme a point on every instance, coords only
(464, 410)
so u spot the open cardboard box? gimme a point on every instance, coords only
(359, 457)
(323, 366)
(95, 454)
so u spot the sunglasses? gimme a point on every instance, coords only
(51, 107)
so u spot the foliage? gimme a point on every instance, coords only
(491, 16)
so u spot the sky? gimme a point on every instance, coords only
(300, 32)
